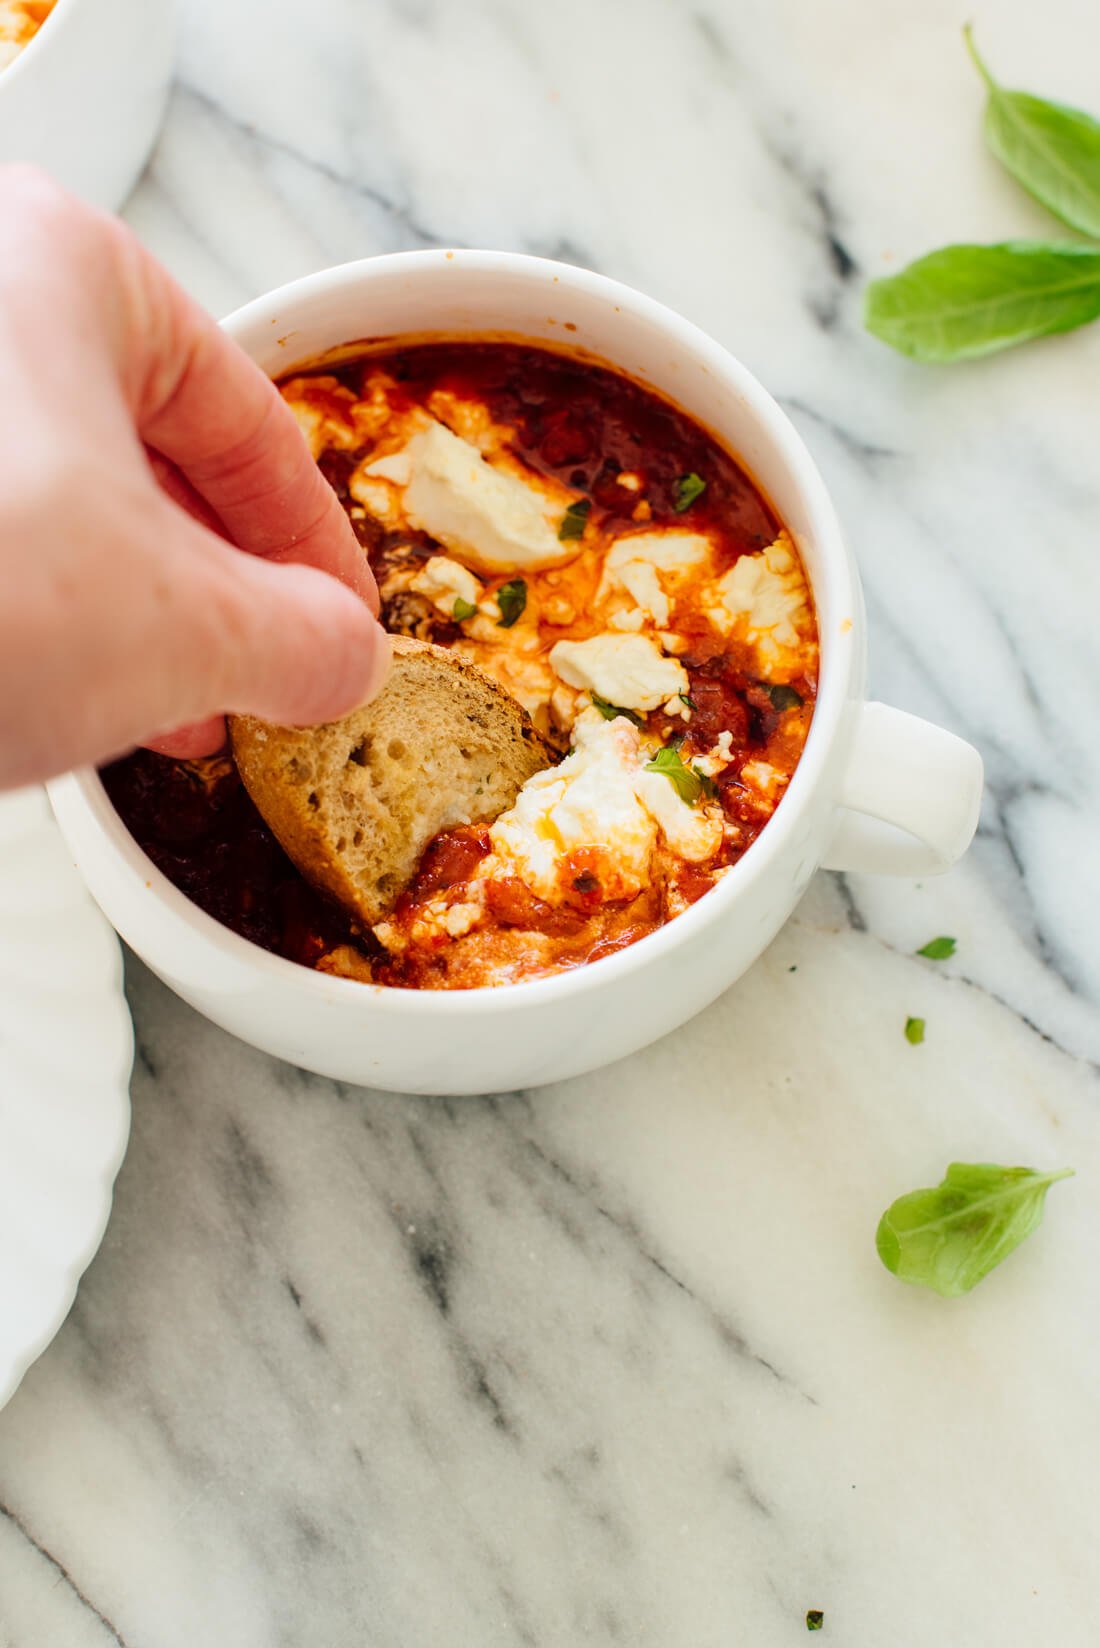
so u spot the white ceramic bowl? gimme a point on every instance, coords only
(84, 98)
(876, 789)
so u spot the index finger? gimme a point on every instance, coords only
(201, 401)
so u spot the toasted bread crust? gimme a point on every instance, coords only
(354, 803)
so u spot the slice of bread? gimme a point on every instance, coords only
(355, 802)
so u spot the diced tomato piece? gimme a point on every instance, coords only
(512, 903)
(452, 857)
(718, 708)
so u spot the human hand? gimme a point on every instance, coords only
(168, 549)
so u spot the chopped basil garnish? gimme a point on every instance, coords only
(463, 609)
(686, 698)
(610, 711)
(511, 599)
(914, 1031)
(949, 1237)
(688, 488)
(783, 697)
(573, 521)
(815, 1619)
(690, 784)
(937, 949)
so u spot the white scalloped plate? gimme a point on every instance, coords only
(66, 1048)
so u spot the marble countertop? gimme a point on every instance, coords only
(615, 1362)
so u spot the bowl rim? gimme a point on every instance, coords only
(33, 49)
(842, 653)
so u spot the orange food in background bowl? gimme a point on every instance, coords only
(83, 84)
(20, 21)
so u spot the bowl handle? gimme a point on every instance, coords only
(909, 799)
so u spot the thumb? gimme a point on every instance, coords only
(310, 649)
(291, 645)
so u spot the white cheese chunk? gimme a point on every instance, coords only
(563, 708)
(629, 620)
(642, 584)
(321, 428)
(438, 919)
(587, 801)
(395, 466)
(671, 642)
(717, 758)
(376, 496)
(765, 779)
(558, 611)
(444, 582)
(390, 937)
(693, 833)
(648, 564)
(488, 518)
(471, 420)
(628, 670)
(602, 799)
(373, 412)
(767, 594)
(672, 550)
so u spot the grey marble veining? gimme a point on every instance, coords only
(615, 1363)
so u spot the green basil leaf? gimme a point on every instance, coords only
(938, 949)
(914, 1031)
(687, 782)
(1053, 150)
(511, 599)
(686, 698)
(462, 609)
(965, 301)
(710, 788)
(782, 697)
(610, 711)
(948, 1238)
(574, 519)
(688, 488)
